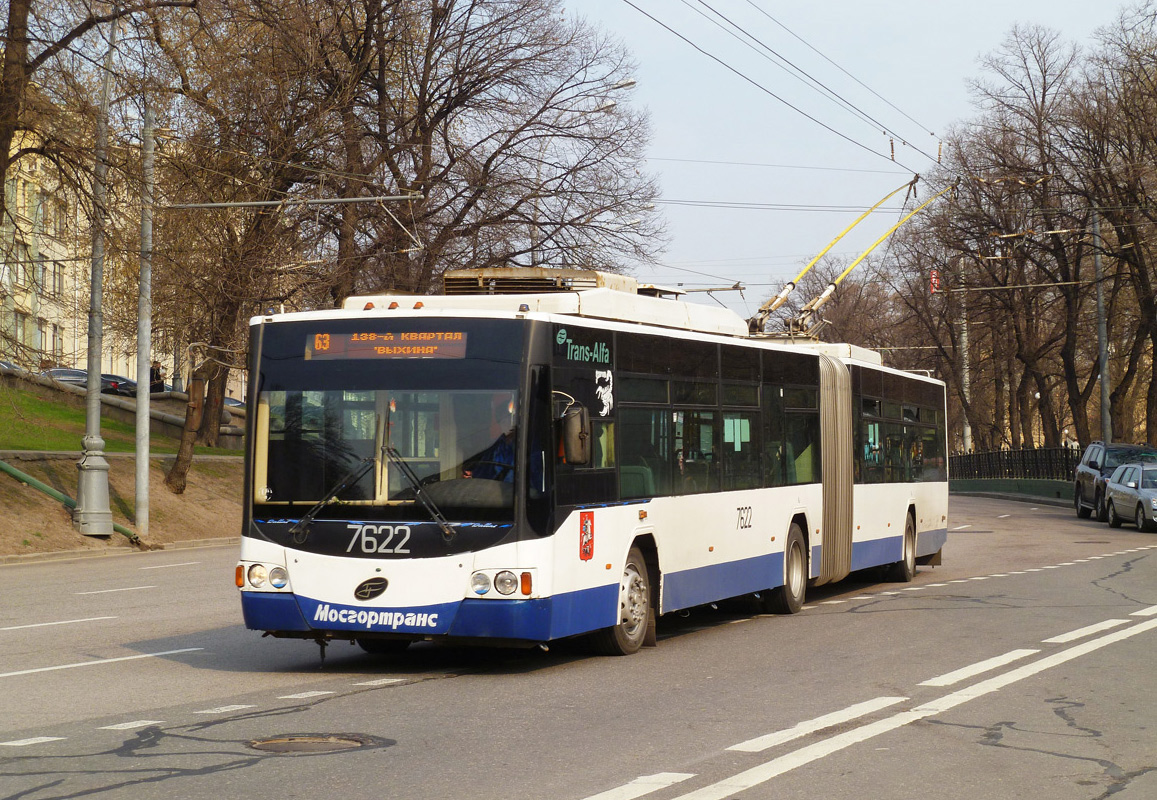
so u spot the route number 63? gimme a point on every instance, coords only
(379, 538)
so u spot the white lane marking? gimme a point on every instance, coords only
(302, 695)
(1035, 569)
(98, 662)
(1052, 566)
(861, 597)
(223, 709)
(913, 589)
(761, 743)
(128, 726)
(936, 585)
(1066, 563)
(999, 575)
(380, 682)
(1145, 612)
(959, 580)
(958, 675)
(979, 578)
(46, 624)
(166, 566)
(778, 766)
(126, 589)
(889, 593)
(36, 740)
(1004, 516)
(1034, 509)
(644, 785)
(832, 602)
(1017, 573)
(961, 527)
(1081, 633)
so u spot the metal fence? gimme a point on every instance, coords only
(1044, 463)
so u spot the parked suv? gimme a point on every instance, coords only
(1097, 464)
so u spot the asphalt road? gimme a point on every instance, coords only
(1021, 667)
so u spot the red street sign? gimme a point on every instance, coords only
(935, 280)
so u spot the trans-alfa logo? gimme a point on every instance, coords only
(597, 353)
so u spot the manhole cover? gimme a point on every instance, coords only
(315, 743)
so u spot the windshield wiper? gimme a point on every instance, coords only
(300, 529)
(419, 492)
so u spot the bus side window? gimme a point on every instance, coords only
(643, 452)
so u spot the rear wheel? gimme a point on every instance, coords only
(905, 569)
(1079, 502)
(1114, 520)
(626, 635)
(789, 598)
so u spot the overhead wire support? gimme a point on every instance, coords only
(802, 323)
(756, 323)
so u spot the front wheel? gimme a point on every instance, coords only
(1114, 520)
(627, 634)
(1142, 520)
(789, 598)
(1102, 508)
(905, 569)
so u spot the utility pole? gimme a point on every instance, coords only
(92, 516)
(1102, 333)
(145, 327)
(965, 375)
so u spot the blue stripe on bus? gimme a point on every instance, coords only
(267, 611)
(694, 587)
(928, 542)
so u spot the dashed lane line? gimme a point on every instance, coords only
(224, 709)
(964, 673)
(302, 695)
(1145, 612)
(34, 740)
(46, 624)
(644, 785)
(1089, 630)
(98, 662)
(125, 589)
(761, 743)
(168, 566)
(128, 726)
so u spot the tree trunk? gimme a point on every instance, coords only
(194, 414)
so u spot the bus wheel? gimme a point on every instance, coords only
(905, 569)
(626, 636)
(788, 599)
(383, 647)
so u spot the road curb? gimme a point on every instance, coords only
(119, 550)
(1020, 498)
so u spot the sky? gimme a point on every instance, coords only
(719, 139)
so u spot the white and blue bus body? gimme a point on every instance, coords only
(379, 506)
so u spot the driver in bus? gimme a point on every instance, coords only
(496, 462)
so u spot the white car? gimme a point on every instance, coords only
(1131, 494)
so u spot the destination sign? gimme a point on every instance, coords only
(386, 344)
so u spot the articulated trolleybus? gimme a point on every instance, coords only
(535, 455)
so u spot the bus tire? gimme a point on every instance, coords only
(905, 569)
(383, 647)
(789, 598)
(634, 609)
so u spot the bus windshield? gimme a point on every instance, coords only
(446, 426)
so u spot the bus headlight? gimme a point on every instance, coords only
(506, 582)
(278, 577)
(480, 582)
(257, 575)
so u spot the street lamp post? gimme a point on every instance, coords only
(93, 516)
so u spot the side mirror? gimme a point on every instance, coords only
(1132, 484)
(1094, 464)
(576, 435)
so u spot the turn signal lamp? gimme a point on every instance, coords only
(368, 307)
(526, 587)
(240, 577)
(392, 305)
(419, 304)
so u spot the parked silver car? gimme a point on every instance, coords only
(1131, 494)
